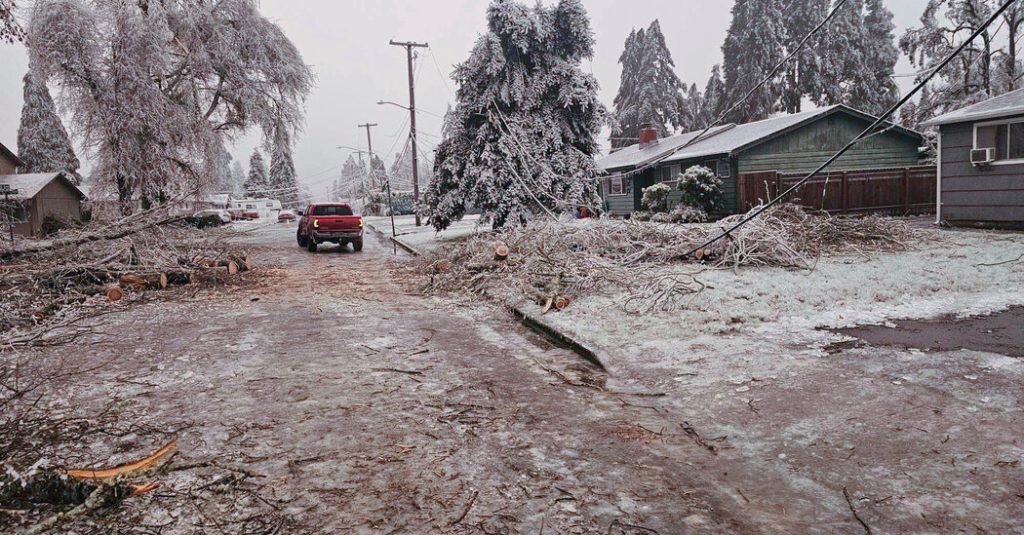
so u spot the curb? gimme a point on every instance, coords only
(533, 323)
(556, 336)
(405, 246)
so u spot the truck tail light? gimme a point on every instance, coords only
(316, 223)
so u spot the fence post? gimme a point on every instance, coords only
(906, 190)
(844, 192)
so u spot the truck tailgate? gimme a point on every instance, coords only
(337, 223)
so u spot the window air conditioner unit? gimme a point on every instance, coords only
(983, 156)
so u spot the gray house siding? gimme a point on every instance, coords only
(970, 194)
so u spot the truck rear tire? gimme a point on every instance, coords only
(301, 239)
(311, 245)
(357, 245)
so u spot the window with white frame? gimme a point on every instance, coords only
(1007, 138)
(618, 185)
(669, 173)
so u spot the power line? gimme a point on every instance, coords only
(761, 209)
(721, 118)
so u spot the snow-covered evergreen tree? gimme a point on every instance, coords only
(43, 142)
(755, 42)
(154, 87)
(803, 72)
(282, 168)
(225, 178)
(650, 93)
(715, 98)
(521, 137)
(352, 183)
(258, 183)
(237, 178)
(874, 89)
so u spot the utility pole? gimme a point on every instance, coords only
(369, 144)
(6, 191)
(412, 124)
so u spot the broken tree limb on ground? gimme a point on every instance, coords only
(555, 265)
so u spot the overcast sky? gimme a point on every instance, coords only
(346, 42)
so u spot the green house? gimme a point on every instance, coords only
(796, 143)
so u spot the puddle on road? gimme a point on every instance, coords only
(1001, 333)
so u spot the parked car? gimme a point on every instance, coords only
(330, 222)
(286, 215)
(224, 215)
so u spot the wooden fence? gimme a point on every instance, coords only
(898, 191)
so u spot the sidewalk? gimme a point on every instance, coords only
(424, 239)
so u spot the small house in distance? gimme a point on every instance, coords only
(981, 163)
(796, 143)
(41, 196)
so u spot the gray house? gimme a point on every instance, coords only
(981, 163)
(796, 143)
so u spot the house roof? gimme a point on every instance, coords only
(1011, 103)
(730, 139)
(29, 185)
(8, 153)
(634, 156)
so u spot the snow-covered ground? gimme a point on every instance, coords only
(425, 238)
(943, 274)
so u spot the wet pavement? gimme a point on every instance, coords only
(369, 408)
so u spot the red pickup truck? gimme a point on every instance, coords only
(330, 222)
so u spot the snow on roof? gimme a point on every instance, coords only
(29, 185)
(722, 140)
(634, 156)
(1011, 103)
(745, 134)
(10, 155)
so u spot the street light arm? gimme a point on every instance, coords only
(388, 102)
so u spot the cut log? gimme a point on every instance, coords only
(562, 302)
(114, 294)
(232, 267)
(501, 252)
(133, 282)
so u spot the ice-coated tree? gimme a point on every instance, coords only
(522, 135)
(874, 90)
(258, 183)
(694, 113)
(755, 42)
(282, 168)
(154, 87)
(987, 68)
(43, 143)
(803, 72)
(352, 183)
(715, 98)
(650, 93)
(378, 173)
(10, 30)
(237, 178)
(401, 172)
(225, 178)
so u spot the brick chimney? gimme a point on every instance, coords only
(648, 136)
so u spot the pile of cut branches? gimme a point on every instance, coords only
(650, 263)
(49, 281)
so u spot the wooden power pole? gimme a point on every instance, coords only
(412, 124)
(369, 145)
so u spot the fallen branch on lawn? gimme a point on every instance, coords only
(558, 265)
